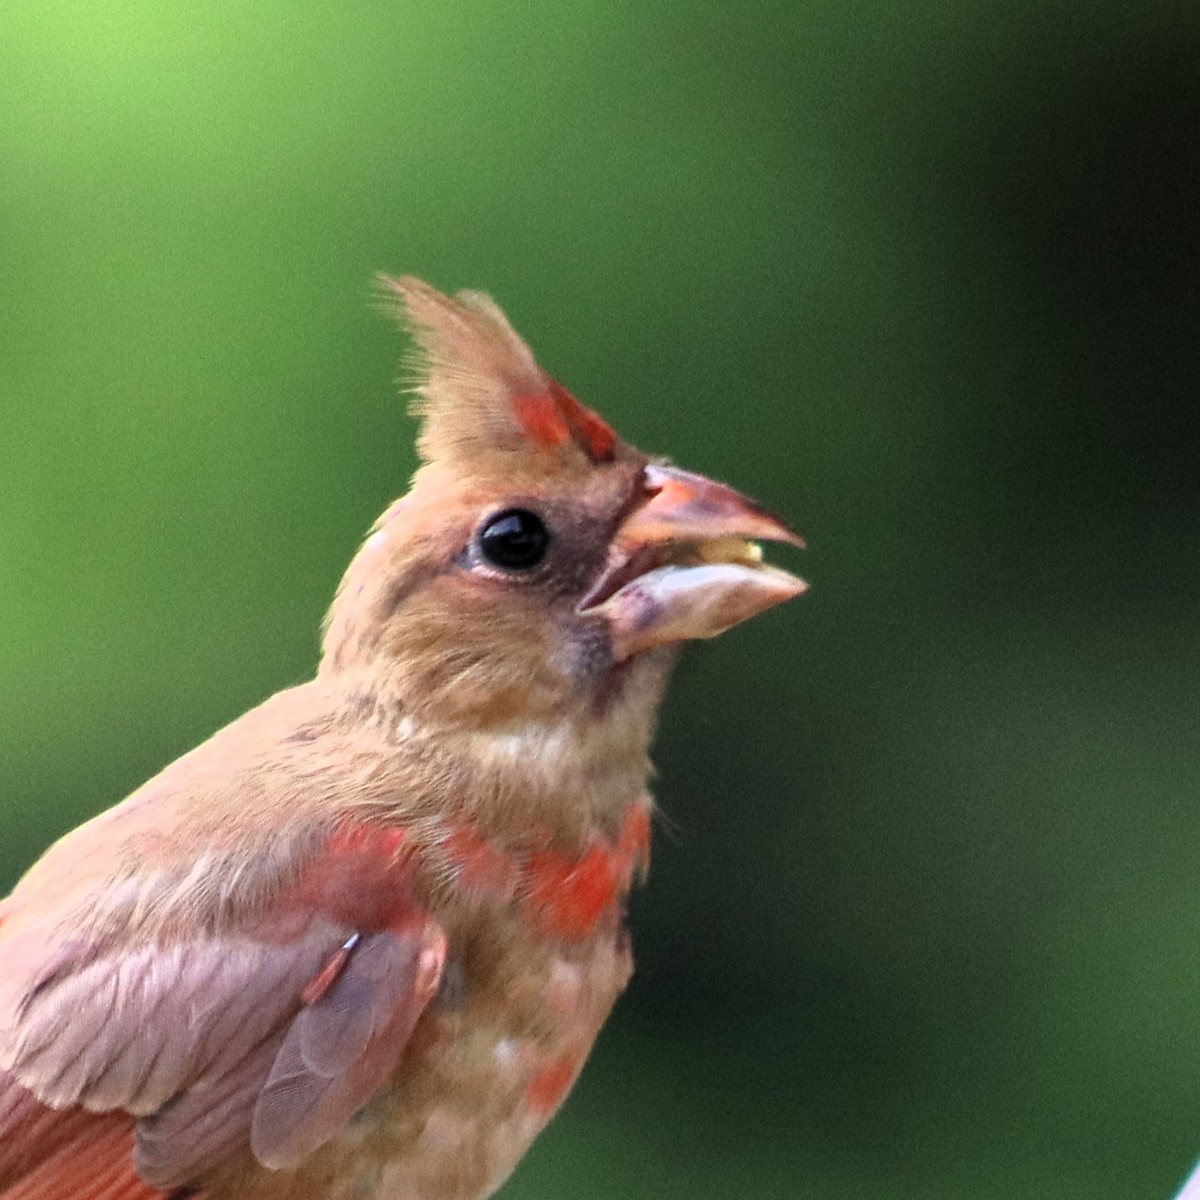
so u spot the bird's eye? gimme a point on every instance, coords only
(515, 540)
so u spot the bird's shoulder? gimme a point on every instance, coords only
(251, 806)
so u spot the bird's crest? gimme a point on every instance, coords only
(480, 395)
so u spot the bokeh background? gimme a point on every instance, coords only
(921, 276)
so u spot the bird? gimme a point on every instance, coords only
(359, 943)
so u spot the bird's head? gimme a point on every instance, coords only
(538, 566)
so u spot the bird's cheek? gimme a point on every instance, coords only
(585, 651)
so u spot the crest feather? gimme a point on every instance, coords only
(479, 391)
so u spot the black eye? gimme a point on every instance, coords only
(515, 540)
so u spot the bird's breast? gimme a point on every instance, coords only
(538, 956)
(559, 893)
(489, 1064)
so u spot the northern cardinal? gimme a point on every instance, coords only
(359, 943)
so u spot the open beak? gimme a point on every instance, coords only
(686, 564)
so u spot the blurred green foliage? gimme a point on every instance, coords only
(922, 276)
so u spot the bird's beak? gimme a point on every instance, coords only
(686, 564)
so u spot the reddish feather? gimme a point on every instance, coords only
(49, 1155)
(633, 845)
(481, 865)
(597, 438)
(355, 880)
(565, 894)
(570, 895)
(327, 976)
(545, 1091)
(551, 418)
(540, 419)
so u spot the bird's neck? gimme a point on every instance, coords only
(570, 771)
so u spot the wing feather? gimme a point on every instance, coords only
(155, 961)
(203, 1127)
(341, 1049)
(51, 1155)
(210, 1044)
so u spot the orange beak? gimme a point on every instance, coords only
(686, 564)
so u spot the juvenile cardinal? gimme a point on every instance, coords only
(359, 943)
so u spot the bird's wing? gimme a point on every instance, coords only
(51, 1155)
(213, 1043)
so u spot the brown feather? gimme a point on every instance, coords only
(484, 403)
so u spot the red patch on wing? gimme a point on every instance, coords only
(551, 418)
(50, 1155)
(360, 877)
(545, 1091)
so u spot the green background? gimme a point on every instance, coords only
(923, 277)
